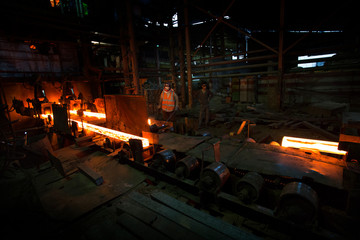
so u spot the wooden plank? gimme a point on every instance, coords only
(81, 141)
(296, 125)
(94, 176)
(180, 142)
(206, 219)
(67, 199)
(158, 222)
(290, 122)
(181, 219)
(277, 125)
(138, 228)
(57, 164)
(68, 157)
(105, 229)
(321, 131)
(349, 138)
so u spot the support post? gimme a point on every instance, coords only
(188, 52)
(181, 61)
(280, 56)
(125, 58)
(135, 69)
(171, 55)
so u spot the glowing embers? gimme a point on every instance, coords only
(304, 143)
(89, 114)
(112, 133)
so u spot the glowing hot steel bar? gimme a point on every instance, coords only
(87, 114)
(112, 133)
(90, 114)
(322, 146)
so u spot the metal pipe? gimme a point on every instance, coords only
(236, 61)
(236, 68)
(230, 55)
(239, 74)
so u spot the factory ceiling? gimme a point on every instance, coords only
(21, 17)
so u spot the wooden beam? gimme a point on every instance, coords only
(321, 131)
(188, 52)
(134, 61)
(280, 57)
(181, 61)
(94, 176)
(156, 221)
(139, 229)
(219, 225)
(173, 215)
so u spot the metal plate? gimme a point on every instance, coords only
(126, 113)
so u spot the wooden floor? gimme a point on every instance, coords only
(127, 205)
(157, 215)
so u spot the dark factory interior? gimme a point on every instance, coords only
(175, 119)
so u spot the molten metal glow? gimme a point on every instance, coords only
(149, 121)
(46, 116)
(304, 143)
(112, 133)
(107, 131)
(89, 114)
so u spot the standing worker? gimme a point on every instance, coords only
(169, 102)
(204, 97)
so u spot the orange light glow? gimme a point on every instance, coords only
(90, 114)
(46, 116)
(149, 121)
(112, 133)
(304, 143)
(107, 131)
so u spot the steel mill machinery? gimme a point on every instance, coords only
(296, 187)
(298, 184)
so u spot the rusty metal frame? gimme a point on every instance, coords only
(213, 28)
(235, 28)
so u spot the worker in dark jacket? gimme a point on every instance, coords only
(204, 97)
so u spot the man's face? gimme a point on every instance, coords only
(167, 87)
(203, 86)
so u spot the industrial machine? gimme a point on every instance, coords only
(301, 181)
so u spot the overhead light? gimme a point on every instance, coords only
(313, 64)
(306, 57)
(197, 23)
